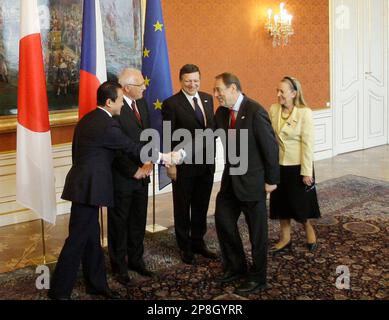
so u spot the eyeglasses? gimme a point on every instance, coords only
(136, 85)
(309, 188)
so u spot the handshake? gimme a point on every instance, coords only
(172, 158)
(169, 160)
(176, 158)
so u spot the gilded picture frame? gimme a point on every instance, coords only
(61, 28)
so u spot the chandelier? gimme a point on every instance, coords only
(282, 29)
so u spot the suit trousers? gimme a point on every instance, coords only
(228, 211)
(81, 246)
(126, 228)
(191, 200)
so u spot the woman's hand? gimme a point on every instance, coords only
(308, 181)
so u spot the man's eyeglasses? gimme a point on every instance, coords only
(136, 85)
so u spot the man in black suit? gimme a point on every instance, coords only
(89, 185)
(244, 191)
(192, 183)
(127, 219)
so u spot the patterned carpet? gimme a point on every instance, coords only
(354, 232)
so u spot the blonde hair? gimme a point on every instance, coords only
(295, 85)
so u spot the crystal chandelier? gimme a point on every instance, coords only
(282, 29)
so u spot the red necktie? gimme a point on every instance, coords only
(135, 110)
(232, 119)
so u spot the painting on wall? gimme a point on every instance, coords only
(61, 28)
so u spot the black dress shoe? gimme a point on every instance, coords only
(187, 257)
(142, 271)
(285, 248)
(108, 294)
(123, 279)
(312, 246)
(230, 276)
(250, 286)
(54, 297)
(205, 252)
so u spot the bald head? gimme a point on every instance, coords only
(132, 82)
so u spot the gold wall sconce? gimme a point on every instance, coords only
(280, 27)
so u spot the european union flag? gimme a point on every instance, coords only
(156, 71)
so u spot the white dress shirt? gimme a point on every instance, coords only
(129, 102)
(237, 104)
(105, 111)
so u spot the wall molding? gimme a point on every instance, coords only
(11, 212)
(323, 125)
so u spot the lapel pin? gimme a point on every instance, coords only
(243, 117)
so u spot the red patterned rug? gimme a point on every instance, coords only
(353, 232)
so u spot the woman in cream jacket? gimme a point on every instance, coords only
(295, 198)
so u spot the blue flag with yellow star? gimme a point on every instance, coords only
(156, 71)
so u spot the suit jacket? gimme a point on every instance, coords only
(296, 137)
(96, 138)
(180, 112)
(263, 163)
(124, 167)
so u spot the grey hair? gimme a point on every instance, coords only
(127, 75)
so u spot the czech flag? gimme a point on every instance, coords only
(35, 185)
(93, 70)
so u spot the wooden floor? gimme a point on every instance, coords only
(21, 244)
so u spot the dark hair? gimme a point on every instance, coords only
(107, 90)
(229, 79)
(189, 68)
(290, 79)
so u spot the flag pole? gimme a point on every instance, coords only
(154, 228)
(43, 240)
(102, 226)
(153, 198)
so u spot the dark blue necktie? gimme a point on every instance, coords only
(198, 112)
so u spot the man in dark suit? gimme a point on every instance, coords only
(192, 183)
(127, 219)
(244, 191)
(89, 185)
